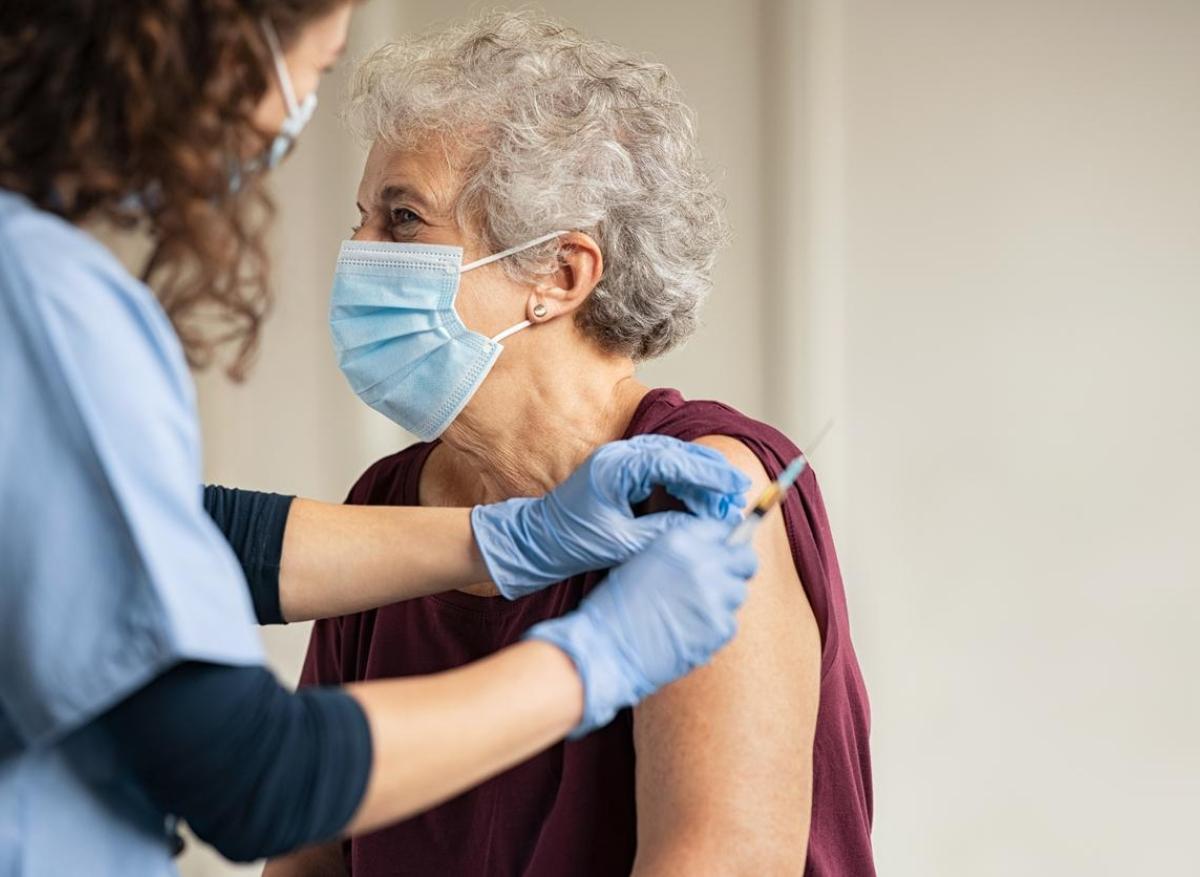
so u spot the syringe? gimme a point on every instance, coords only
(767, 500)
(774, 493)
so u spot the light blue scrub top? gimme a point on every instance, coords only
(110, 570)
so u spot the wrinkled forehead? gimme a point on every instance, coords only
(429, 170)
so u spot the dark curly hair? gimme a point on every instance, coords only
(131, 112)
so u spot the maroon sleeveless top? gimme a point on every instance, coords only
(571, 809)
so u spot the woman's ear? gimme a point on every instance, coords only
(580, 267)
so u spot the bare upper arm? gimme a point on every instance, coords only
(724, 756)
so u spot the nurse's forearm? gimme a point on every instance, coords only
(305, 559)
(435, 736)
(339, 559)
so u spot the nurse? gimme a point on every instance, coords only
(132, 691)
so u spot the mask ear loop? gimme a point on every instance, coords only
(511, 251)
(495, 257)
(281, 71)
(524, 324)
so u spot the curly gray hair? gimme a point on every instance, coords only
(563, 132)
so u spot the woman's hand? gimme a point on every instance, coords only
(588, 522)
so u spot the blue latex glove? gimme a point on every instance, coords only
(654, 619)
(587, 521)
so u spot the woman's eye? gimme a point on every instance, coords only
(403, 216)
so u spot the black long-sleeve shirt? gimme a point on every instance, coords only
(255, 770)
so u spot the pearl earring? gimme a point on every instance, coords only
(539, 310)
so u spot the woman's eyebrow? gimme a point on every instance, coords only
(396, 192)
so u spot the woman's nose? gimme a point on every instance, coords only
(369, 233)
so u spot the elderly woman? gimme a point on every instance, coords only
(574, 163)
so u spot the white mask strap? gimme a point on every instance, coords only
(487, 260)
(512, 331)
(281, 71)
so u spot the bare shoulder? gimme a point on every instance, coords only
(728, 750)
(740, 456)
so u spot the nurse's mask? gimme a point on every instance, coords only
(299, 113)
(399, 341)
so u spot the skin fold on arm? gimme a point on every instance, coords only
(724, 756)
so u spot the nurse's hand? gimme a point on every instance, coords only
(654, 619)
(588, 523)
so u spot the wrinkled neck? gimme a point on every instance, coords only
(531, 425)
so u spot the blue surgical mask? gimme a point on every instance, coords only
(399, 341)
